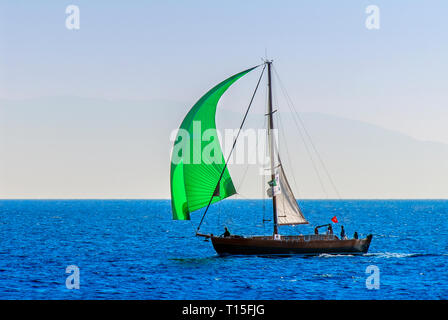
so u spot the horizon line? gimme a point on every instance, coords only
(246, 199)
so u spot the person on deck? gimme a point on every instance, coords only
(355, 236)
(226, 232)
(343, 235)
(330, 230)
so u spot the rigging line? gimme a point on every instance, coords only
(295, 114)
(308, 151)
(309, 136)
(192, 226)
(244, 176)
(287, 154)
(233, 147)
(246, 169)
(280, 146)
(263, 176)
(302, 137)
(289, 160)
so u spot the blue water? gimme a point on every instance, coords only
(131, 249)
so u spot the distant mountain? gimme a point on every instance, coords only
(93, 148)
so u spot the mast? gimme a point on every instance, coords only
(271, 145)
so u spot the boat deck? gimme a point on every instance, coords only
(308, 237)
(279, 244)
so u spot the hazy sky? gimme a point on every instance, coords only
(173, 51)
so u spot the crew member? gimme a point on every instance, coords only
(226, 232)
(343, 235)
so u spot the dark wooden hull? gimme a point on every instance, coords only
(309, 245)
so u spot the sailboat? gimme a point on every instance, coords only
(198, 183)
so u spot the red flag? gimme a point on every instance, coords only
(334, 219)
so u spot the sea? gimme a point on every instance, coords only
(132, 249)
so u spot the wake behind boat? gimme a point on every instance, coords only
(202, 182)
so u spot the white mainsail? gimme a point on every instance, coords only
(288, 211)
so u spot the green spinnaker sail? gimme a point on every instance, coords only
(196, 165)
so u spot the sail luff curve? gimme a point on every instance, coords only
(197, 165)
(288, 210)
